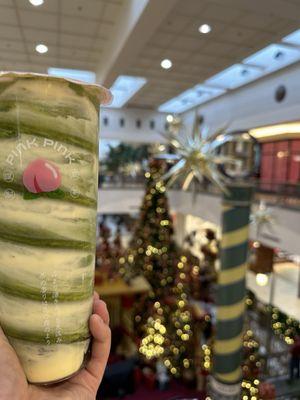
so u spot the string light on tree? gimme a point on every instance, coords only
(251, 367)
(163, 319)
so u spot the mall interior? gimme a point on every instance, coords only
(197, 252)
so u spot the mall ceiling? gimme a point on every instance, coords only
(113, 37)
(76, 32)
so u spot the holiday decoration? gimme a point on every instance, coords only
(286, 327)
(108, 252)
(195, 158)
(250, 367)
(163, 318)
(282, 325)
(262, 217)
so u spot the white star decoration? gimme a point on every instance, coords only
(196, 158)
(263, 216)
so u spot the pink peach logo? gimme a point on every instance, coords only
(41, 176)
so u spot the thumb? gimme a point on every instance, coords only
(3, 338)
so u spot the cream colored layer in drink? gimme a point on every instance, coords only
(58, 360)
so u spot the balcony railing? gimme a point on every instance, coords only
(277, 194)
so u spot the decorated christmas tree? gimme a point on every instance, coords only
(251, 367)
(163, 318)
(109, 250)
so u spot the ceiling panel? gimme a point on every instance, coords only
(75, 25)
(82, 8)
(190, 8)
(34, 35)
(75, 41)
(188, 43)
(9, 31)
(219, 12)
(256, 21)
(109, 11)
(12, 55)
(162, 38)
(75, 32)
(8, 16)
(176, 23)
(12, 46)
(38, 20)
(238, 35)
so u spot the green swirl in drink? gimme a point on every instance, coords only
(48, 199)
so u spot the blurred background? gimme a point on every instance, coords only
(206, 97)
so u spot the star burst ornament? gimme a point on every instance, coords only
(196, 158)
(261, 217)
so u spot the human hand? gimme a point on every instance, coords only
(83, 386)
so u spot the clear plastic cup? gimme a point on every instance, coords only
(48, 201)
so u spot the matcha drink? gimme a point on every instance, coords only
(48, 202)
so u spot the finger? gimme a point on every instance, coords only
(3, 338)
(100, 347)
(96, 296)
(100, 308)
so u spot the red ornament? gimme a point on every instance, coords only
(41, 176)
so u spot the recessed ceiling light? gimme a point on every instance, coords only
(204, 28)
(166, 63)
(36, 2)
(41, 48)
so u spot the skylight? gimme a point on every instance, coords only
(190, 98)
(235, 76)
(293, 38)
(76, 74)
(124, 88)
(274, 57)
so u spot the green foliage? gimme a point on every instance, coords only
(124, 154)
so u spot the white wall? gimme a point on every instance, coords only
(250, 106)
(254, 104)
(130, 132)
